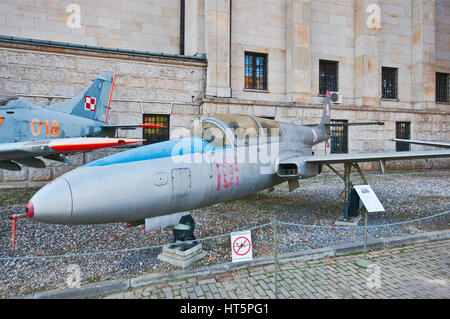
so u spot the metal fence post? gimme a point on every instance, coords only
(364, 263)
(275, 255)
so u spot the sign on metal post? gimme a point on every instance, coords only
(373, 205)
(369, 199)
(241, 246)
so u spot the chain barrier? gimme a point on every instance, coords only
(368, 226)
(276, 222)
(126, 249)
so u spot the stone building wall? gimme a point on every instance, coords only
(443, 36)
(333, 38)
(125, 24)
(259, 27)
(163, 86)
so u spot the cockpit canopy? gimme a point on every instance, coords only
(227, 129)
(7, 100)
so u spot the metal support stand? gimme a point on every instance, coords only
(275, 255)
(348, 183)
(364, 263)
(348, 187)
(383, 166)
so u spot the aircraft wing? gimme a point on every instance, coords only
(374, 157)
(25, 153)
(427, 143)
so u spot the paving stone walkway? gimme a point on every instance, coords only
(415, 271)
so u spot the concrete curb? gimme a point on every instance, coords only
(107, 287)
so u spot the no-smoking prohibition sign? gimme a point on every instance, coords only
(241, 246)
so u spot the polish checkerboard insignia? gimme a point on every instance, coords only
(89, 103)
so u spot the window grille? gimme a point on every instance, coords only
(389, 83)
(403, 131)
(255, 71)
(339, 137)
(328, 76)
(155, 135)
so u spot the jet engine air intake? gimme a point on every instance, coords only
(299, 169)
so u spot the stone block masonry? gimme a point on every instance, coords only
(47, 77)
(125, 24)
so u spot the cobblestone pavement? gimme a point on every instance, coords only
(415, 271)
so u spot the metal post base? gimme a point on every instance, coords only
(364, 263)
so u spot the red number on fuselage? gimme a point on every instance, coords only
(227, 169)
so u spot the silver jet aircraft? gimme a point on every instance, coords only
(77, 125)
(226, 157)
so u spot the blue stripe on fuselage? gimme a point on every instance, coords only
(183, 146)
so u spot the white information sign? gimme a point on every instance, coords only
(369, 199)
(241, 246)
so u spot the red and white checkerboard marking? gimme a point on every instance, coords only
(89, 103)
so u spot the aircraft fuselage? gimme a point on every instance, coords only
(31, 123)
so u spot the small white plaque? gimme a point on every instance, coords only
(369, 199)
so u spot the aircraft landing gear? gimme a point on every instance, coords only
(184, 231)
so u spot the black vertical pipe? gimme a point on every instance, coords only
(182, 25)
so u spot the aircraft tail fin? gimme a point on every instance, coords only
(326, 115)
(93, 102)
(321, 132)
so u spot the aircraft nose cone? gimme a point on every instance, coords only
(53, 203)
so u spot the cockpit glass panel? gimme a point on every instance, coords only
(242, 126)
(7, 100)
(270, 127)
(212, 134)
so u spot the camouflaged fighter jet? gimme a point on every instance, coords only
(226, 157)
(79, 124)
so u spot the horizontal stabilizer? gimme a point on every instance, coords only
(427, 143)
(355, 124)
(347, 124)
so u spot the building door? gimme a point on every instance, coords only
(339, 137)
(403, 131)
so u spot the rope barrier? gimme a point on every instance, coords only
(214, 237)
(123, 250)
(371, 226)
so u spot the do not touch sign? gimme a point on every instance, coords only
(241, 246)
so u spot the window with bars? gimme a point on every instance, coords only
(402, 131)
(442, 87)
(255, 71)
(328, 76)
(339, 137)
(155, 135)
(389, 81)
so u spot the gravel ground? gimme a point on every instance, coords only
(405, 196)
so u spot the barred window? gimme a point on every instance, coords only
(339, 137)
(328, 76)
(389, 83)
(403, 131)
(442, 87)
(255, 71)
(155, 135)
